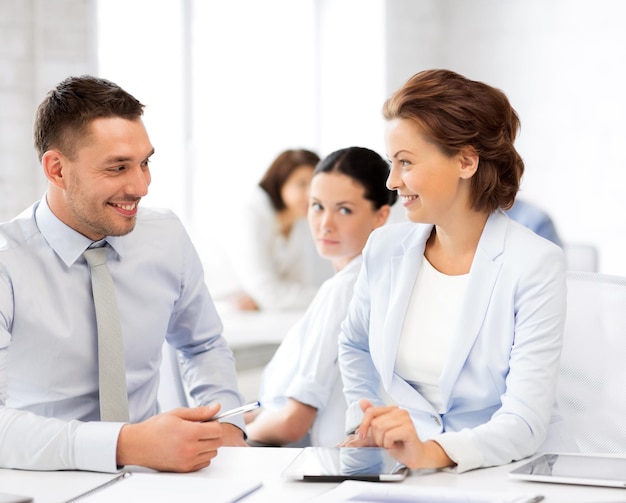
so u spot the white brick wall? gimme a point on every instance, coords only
(41, 43)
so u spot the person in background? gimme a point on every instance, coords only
(272, 253)
(301, 390)
(458, 314)
(535, 219)
(95, 153)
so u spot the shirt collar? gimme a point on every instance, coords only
(67, 243)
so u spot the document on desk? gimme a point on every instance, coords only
(375, 492)
(166, 487)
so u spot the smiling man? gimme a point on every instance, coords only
(95, 154)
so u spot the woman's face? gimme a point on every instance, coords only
(295, 191)
(340, 218)
(430, 184)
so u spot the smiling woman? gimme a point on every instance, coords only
(458, 314)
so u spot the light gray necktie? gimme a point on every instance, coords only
(111, 363)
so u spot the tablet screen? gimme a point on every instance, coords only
(575, 469)
(330, 464)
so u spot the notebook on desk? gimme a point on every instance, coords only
(14, 498)
(167, 487)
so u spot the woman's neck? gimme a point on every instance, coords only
(451, 249)
(285, 222)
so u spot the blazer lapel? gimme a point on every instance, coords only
(404, 269)
(483, 275)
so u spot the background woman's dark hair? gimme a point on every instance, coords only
(365, 167)
(455, 112)
(278, 172)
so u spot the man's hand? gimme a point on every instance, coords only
(176, 441)
(232, 436)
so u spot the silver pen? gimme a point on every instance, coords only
(233, 412)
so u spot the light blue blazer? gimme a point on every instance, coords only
(498, 384)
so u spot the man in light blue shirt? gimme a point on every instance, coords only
(95, 152)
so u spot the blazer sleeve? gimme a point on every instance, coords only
(360, 377)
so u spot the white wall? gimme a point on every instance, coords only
(41, 43)
(259, 83)
(140, 47)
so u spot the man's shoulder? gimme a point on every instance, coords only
(18, 230)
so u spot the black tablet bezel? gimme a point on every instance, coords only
(295, 470)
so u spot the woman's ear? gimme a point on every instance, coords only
(53, 162)
(469, 162)
(382, 214)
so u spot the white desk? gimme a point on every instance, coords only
(246, 328)
(266, 464)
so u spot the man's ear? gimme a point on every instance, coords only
(469, 162)
(53, 163)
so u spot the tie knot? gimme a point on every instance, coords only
(95, 256)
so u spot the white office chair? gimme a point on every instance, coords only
(581, 257)
(593, 363)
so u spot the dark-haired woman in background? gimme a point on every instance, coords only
(271, 251)
(301, 392)
(458, 315)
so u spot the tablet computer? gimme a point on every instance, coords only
(333, 464)
(584, 469)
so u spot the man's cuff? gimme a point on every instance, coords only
(95, 447)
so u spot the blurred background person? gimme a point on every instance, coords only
(271, 252)
(535, 219)
(301, 392)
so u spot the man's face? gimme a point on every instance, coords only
(106, 179)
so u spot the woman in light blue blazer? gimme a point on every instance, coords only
(457, 316)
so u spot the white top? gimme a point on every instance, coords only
(305, 365)
(278, 272)
(429, 326)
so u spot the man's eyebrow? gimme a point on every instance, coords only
(121, 159)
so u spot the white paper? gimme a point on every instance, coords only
(369, 492)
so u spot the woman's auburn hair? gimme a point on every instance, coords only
(454, 113)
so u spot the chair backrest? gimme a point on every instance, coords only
(592, 379)
(581, 256)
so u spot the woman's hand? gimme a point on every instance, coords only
(392, 428)
(244, 302)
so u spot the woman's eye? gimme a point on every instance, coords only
(316, 206)
(345, 211)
